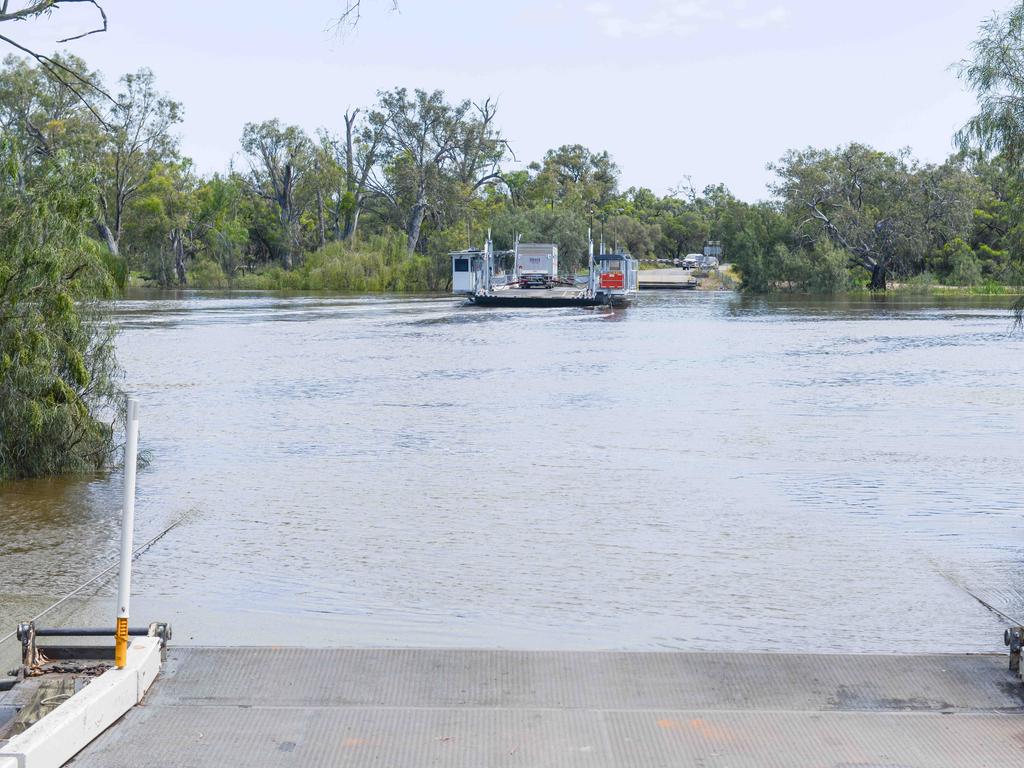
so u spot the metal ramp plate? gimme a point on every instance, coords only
(478, 709)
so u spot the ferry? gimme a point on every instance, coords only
(532, 279)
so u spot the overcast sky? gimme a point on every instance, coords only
(672, 88)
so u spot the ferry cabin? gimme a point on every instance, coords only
(467, 270)
(617, 278)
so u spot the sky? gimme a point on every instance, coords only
(678, 91)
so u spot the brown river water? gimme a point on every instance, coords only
(699, 471)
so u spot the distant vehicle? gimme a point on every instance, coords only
(709, 262)
(692, 261)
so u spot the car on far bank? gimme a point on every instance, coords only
(691, 261)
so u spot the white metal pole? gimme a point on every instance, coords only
(124, 584)
(488, 262)
(591, 283)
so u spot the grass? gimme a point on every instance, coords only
(377, 266)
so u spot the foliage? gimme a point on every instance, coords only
(963, 265)
(426, 172)
(433, 157)
(134, 140)
(279, 158)
(57, 368)
(379, 265)
(996, 75)
(887, 212)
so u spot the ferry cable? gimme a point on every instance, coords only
(135, 556)
(1014, 622)
(1004, 616)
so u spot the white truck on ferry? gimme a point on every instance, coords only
(536, 264)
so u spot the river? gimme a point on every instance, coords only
(699, 471)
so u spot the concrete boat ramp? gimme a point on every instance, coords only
(277, 707)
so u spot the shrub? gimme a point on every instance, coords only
(58, 397)
(207, 274)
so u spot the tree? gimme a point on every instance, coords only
(279, 156)
(637, 238)
(885, 211)
(996, 75)
(751, 237)
(43, 114)
(137, 137)
(682, 233)
(159, 223)
(433, 153)
(574, 175)
(355, 155)
(83, 87)
(847, 195)
(219, 223)
(58, 396)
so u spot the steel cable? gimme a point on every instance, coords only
(135, 556)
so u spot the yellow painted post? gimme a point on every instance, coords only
(121, 643)
(124, 585)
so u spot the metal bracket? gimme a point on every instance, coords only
(29, 652)
(162, 630)
(1013, 638)
(33, 656)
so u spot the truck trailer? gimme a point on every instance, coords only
(536, 264)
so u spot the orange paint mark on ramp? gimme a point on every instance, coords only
(709, 731)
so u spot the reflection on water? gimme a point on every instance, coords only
(700, 471)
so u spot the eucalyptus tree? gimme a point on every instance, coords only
(160, 223)
(996, 74)
(681, 232)
(573, 174)
(137, 137)
(42, 113)
(633, 235)
(279, 158)
(361, 149)
(81, 85)
(432, 154)
(220, 222)
(884, 211)
(353, 157)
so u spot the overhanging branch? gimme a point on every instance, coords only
(352, 14)
(103, 28)
(63, 74)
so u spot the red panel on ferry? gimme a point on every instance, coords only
(613, 280)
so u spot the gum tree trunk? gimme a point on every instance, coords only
(108, 237)
(178, 246)
(419, 211)
(878, 282)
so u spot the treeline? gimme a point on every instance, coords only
(376, 204)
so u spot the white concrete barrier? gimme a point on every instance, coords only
(63, 733)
